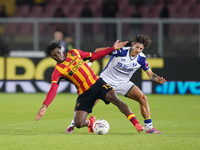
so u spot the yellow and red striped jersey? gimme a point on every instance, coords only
(74, 69)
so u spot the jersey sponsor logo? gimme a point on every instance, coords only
(123, 59)
(124, 68)
(77, 66)
(71, 62)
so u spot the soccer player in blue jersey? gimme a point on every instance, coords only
(119, 70)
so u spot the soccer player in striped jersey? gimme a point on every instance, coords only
(71, 66)
(119, 70)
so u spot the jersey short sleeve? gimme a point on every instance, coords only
(120, 52)
(143, 62)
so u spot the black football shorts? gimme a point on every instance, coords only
(86, 100)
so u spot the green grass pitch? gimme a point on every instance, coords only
(175, 115)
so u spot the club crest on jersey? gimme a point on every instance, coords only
(70, 73)
(78, 104)
(73, 54)
(134, 64)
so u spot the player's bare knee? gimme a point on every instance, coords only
(78, 124)
(112, 97)
(143, 99)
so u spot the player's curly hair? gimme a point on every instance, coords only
(144, 39)
(51, 47)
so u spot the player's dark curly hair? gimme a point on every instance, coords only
(51, 47)
(144, 39)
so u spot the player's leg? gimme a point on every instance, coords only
(112, 97)
(136, 94)
(130, 90)
(83, 107)
(70, 128)
(81, 121)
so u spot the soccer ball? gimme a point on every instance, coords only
(101, 126)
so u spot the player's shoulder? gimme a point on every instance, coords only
(125, 48)
(141, 58)
(141, 54)
(72, 50)
(75, 51)
(121, 52)
(56, 71)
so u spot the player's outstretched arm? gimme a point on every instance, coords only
(100, 54)
(155, 77)
(41, 112)
(158, 79)
(100, 49)
(49, 98)
(118, 45)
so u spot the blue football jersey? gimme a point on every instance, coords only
(122, 66)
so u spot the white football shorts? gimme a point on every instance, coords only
(123, 87)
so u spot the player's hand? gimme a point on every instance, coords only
(41, 112)
(161, 80)
(118, 45)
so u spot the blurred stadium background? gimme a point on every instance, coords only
(29, 25)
